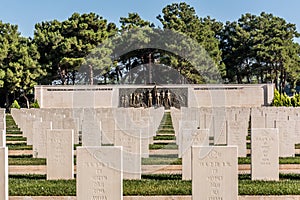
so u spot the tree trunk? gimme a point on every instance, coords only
(91, 75)
(7, 103)
(27, 101)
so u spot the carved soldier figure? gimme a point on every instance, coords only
(169, 100)
(157, 99)
(122, 101)
(162, 98)
(149, 99)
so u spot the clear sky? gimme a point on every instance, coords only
(26, 13)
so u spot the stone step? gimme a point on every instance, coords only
(164, 141)
(19, 152)
(15, 142)
(163, 151)
(13, 135)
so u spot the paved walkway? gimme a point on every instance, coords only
(162, 198)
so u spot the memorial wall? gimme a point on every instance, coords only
(112, 96)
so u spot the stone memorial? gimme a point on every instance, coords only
(4, 173)
(214, 173)
(265, 154)
(130, 140)
(286, 138)
(184, 126)
(2, 138)
(237, 131)
(39, 139)
(91, 131)
(199, 137)
(108, 130)
(60, 154)
(99, 173)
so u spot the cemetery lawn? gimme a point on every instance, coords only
(287, 160)
(37, 185)
(20, 146)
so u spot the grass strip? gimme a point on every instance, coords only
(163, 146)
(37, 185)
(161, 161)
(21, 146)
(15, 138)
(150, 185)
(287, 160)
(165, 131)
(26, 161)
(164, 137)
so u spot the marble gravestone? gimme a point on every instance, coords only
(265, 154)
(237, 131)
(214, 172)
(199, 137)
(91, 129)
(99, 173)
(60, 154)
(39, 139)
(4, 173)
(2, 138)
(130, 140)
(286, 137)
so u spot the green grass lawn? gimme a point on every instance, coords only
(21, 146)
(163, 146)
(15, 138)
(37, 185)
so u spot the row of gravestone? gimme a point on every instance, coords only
(3, 157)
(130, 128)
(229, 126)
(214, 173)
(103, 168)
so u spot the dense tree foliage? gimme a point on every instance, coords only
(63, 46)
(19, 67)
(261, 49)
(86, 48)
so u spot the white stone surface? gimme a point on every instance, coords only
(199, 137)
(91, 132)
(60, 154)
(99, 173)
(237, 132)
(286, 138)
(2, 138)
(39, 140)
(130, 140)
(4, 173)
(214, 173)
(265, 154)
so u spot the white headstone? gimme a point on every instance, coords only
(72, 123)
(264, 154)
(2, 138)
(130, 140)
(214, 173)
(4, 173)
(39, 140)
(108, 130)
(237, 132)
(286, 138)
(199, 137)
(91, 131)
(60, 154)
(99, 173)
(184, 125)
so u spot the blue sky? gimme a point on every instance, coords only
(26, 13)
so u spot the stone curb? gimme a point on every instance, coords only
(285, 197)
